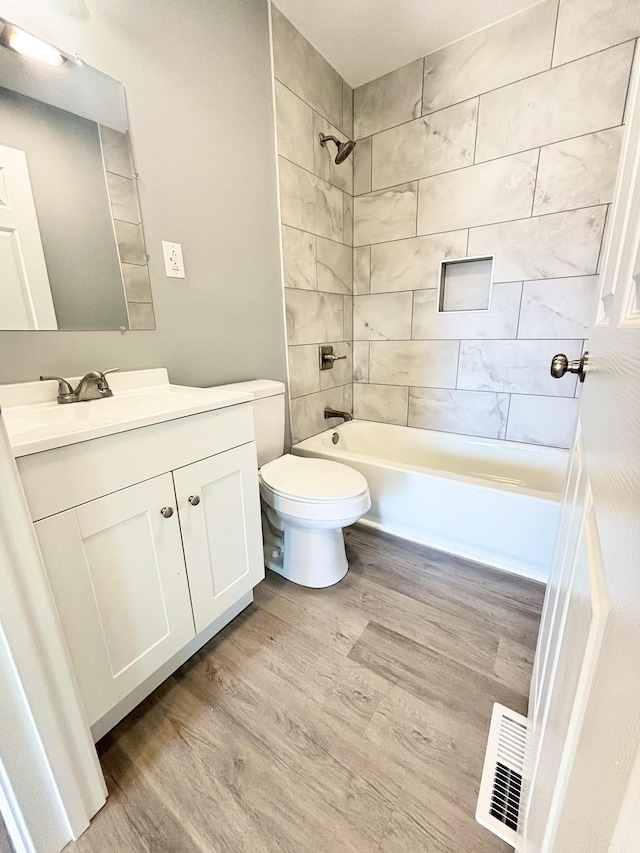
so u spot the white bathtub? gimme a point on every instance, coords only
(492, 501)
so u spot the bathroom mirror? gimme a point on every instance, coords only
(72, 252)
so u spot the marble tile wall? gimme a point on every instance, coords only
(504, 143)
(127, 222)
(316, 202)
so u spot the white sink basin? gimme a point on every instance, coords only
(39, 424)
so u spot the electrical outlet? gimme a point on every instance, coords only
(173, 263)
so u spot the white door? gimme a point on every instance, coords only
(219, 505)
(585, 699)
(25, 294)
(117, 572)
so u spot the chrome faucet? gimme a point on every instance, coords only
(92, 386)
(336, 413)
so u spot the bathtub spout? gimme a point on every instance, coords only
(335, 413)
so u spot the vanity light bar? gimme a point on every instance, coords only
(34, 48)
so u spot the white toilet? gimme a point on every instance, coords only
(305, 502)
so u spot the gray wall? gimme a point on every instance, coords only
(70, 193)
(198, 82)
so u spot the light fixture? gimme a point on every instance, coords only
(33, 48)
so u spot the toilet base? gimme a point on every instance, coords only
(312, 557)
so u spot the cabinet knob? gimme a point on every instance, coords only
(166, 511)
(194, 500)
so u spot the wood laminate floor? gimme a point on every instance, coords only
(5, 842)
(345, 720)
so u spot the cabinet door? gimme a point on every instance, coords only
(118, 576)
(222, 533)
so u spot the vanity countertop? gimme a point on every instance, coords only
(36, 422)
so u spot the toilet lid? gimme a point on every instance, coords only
(300, 477)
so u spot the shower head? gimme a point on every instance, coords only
(344, 148)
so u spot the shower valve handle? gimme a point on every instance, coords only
(327, 357)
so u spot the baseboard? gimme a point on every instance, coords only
(466, 553)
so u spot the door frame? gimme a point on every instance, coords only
(51, 783)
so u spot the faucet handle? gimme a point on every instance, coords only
(103, 383)
(65, 391)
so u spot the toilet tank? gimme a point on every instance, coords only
(268, 415)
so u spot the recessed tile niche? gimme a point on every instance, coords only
(465, 284)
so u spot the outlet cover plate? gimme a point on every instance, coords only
(173, 263)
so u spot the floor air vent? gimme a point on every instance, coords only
(501, 785)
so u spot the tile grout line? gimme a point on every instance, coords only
(634, 59)
(448, 340)
(461, 391)
(315, 236)
(413, 297)
(435, 287)
(602, 238)
(529, 443)
(555, 35)
(446, 388)
(306, 103)
(535, 183)
(496, 88)
(506, 422)
(488, 160)
(475, 139)
(491, 225)
(517, 337)
(313, 174)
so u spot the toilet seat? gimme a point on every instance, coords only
(303, 478)
(319, 489)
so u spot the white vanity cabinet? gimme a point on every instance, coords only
(118, 576)
(222, 541)
(152, 543)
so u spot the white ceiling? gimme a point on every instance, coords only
(363, 39)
